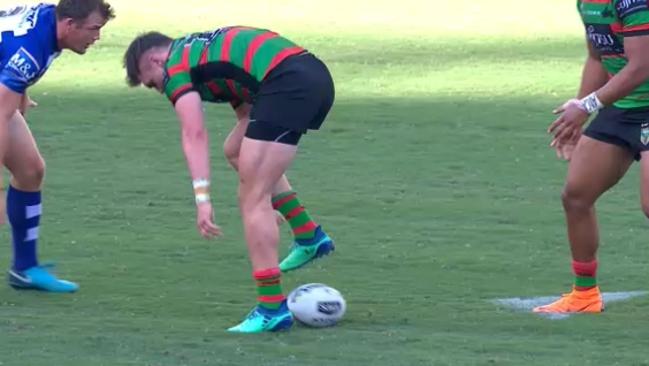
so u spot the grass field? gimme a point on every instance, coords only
(432, 174)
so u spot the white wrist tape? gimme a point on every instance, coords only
(591, 103)
(202, 198)
(201, 190)
(200, 183)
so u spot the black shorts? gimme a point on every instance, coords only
(296, 96)
(627, 128)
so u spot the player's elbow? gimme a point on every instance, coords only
(193, 135)
(193, 139)
(639, 68)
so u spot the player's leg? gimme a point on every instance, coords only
(643, 147)
(595, 167)
(24, 208)
(644, 182)
(261, 164)
(231, 148)
(316, 94)
(3, 201)
(311, 241)
(307, 233)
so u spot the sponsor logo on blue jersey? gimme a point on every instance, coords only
(28, 44)
(24, 65)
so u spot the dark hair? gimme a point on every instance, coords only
(138, 47)
(80, 9)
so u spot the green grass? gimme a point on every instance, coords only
(432, 174)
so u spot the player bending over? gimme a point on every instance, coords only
(278, 91)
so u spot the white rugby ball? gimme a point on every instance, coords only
(317, 305)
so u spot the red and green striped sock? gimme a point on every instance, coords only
(585, 275)
(269, 288)
(297, 216)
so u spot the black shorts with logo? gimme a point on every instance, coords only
(627, 128)
(296, 96)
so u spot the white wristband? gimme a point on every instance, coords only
(591, 103)
(200, 183)
(202, 198)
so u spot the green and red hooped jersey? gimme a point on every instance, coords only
(607, 23)
(226, 65)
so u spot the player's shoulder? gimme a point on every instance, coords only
(30, 33)
(28, 43)
(32, 27)
(22, 20)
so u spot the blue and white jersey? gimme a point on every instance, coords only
(27, 44)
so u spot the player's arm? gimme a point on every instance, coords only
(9, 104)
(195, 142)
(242, 111)
(634, 74)
(594, 76)
(574, 113)
(25, 104)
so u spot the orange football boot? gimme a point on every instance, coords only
(588, 301)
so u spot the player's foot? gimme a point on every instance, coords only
(304, 251)
(264, 320)
(589, 301)
(39, 278)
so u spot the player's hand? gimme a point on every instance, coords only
(564, 149)
(26, 103)
(205, 221)
(571, 119)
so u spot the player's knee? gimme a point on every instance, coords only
(573, 199)
(247, 191)
(251, 194)
(30, 175)
(37, 171)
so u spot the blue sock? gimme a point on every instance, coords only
(24, 213)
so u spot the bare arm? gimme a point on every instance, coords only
(26, 103)
(243, 112)
(632, 75)
(9, 103)
(574, 113)
(195, 140)
(594, 76)
(196, 147)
